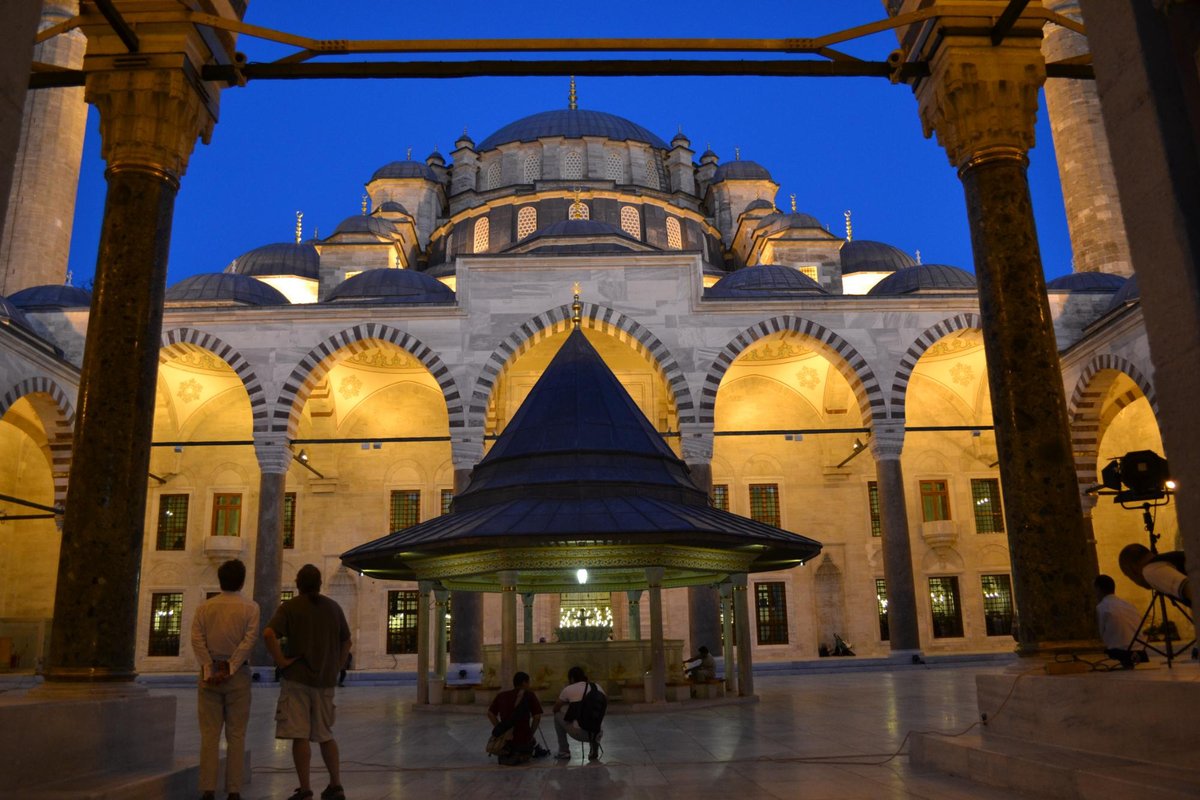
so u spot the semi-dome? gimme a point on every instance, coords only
(285, 258)
(1086, 282)
(577, 235)
(224, 288)
(864, 255)
(571, 123)
(741, 171)
(925, 278)
(405, 169)
(387, 285)
(765, 281)
(53, 295)
(1129, 292)
(359, 223)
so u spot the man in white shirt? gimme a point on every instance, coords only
(567, 705)
(1118, 622)
(224, 630)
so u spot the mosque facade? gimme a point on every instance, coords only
(375, 366)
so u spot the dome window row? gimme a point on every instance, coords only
(674, 235)
(620, 166)
(482, 235)
(631, 221)
(526, 222)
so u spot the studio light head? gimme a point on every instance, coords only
(1136, 477)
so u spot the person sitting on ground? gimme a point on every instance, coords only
(705, 670)
(566, 715)
(520, 711)
(1162, 572)
(1118, 621)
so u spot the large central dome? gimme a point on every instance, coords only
(571, 123)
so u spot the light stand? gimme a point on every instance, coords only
(1168, 651)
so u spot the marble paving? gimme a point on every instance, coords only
(811, 736)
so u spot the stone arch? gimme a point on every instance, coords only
(929, 337)
(601, 318)
(176, 341)
(1086, 408)
(314, 366)
(852, 366)
(57, 414)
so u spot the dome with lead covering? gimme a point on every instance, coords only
(741, 171)
(375, 226)
(224, 288)
(571, 123)
(1086, 282)
(925, 278)
(1130, 292)
(10, 313)
(405, 169)
(863, 255)
(388, 285)
(577, 236)
(284, 258)
(53, 295)
(766, 281)
(778, 221)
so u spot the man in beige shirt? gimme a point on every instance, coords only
(224, 630)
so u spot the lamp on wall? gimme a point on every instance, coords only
(857, 448)
(302, 458)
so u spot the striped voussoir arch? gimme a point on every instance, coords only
(595, 316)
(57, 415)
(929, 337)
(1090, 416)
(852, 366)
(311, 370)
(180, 341)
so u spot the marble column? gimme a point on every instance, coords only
(704, 620)
(527, 621)
(508, 626)
(149, 121)
(981, 101)
(466, 608)
(727, 649)
(904, 638)
(745, 661)
(423, 590)
(635, 614)
(658, 652)
(441, 600)
(273, 462)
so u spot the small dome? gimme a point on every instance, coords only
(708, 156)
(375, 226)
(391, 207)
(779, 222)
(53, 295)
(571, 123)
(863, 255)
(435, 158)
(285, 258)
(925, 278)
(760, 204)
(224, 288)
(765, 281)
(405, 169)
(1086, 282)
(1129, 292)
(387, 285)
(679, 140)
(464, 141)
(741, 171)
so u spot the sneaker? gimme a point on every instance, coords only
(563, 755)
(333, 793)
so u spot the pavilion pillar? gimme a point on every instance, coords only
(441, 599)
(981, 101)
(727, 651)
(527, 621)
(273, 462)
(745, 661)
(904, 638)
(635, 614)
(466, 608)
(658, 651)
(508, 625)
(704, 620)
(149, 121)
(423, 590)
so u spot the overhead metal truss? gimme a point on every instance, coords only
(314, 58)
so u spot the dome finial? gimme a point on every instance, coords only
(408, 154)
(364, 205)
(737, 154)
(572, 98)
(918, 258)
(793, 197)
(849, 229)
(576, 308)
(299, 226)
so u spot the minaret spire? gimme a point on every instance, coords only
(572, 98)
(299, 226)
(849, 229)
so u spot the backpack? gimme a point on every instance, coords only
(592, 708)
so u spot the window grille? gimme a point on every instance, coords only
(402, 621)
(881, 604)
(286, 594)
(873, 503)
(166, 621)
(997, 604)
(674, 237)
(945, 607)
(764, 503)
(227, 514)
(493, 175)
(447, 500)
(935, 500)
(652, 174)
(572, 165)
(526, 222)
(172, 521)
(614, 167)
(770, 604)
(811, 272)
(579, 210)
(289, 520)
(720, 496)
(406, 509)
(631, 221)
(533, 168)
(985, 500)
(482, 235)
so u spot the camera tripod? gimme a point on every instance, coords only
(1160, 600)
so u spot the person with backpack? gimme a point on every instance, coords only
(578, 713)
(515, 715)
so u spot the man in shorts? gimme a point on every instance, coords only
(318, 642)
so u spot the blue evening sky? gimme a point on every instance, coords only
(837, 143)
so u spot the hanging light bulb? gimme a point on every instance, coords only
(581, 575)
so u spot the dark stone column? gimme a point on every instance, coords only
(423, 590)
(745, 634)
(727, 651)
(903, 632)
(704, 605)
(527, 621)
(635, 614)
(658, 653)
(466, 608)
(273, 463)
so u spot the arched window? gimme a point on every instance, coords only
(482, 235)
(674, 238)
(631, 223)
(493, 175)
(578, 210)
(614, 167)
(652, 174)
(572, 165)
(526, 222)
(533, 168)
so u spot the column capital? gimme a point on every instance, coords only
(887, 440)
(654, 576)
(508, 580)
(696, 442)
(634, 596)
(979, 99)
(274, 457)
(739, 580)
(466, 448)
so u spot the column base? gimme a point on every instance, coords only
(52, 689)
(465, 674)
(907, 656)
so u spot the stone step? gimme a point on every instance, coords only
(1046, 771)
(179, 780)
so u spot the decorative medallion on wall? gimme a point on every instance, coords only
(962, 374)
(189, 391)
(808, 378)
(349, 387)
